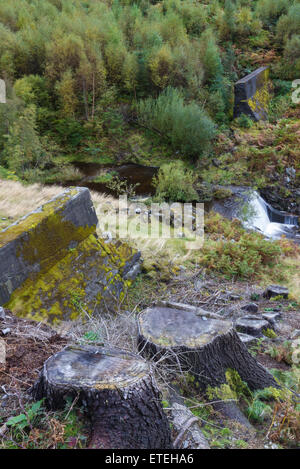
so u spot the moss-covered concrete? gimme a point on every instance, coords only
(252, 94)
(57, 266)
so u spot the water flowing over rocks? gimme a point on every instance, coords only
(117, 389)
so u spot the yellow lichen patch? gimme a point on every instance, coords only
(75, 285)
(260, 100)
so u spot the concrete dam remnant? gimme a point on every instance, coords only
(54, 266)
(252, 94)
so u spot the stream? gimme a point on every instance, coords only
(245, 203)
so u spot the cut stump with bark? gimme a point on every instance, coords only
(118, 391)
(206, 348)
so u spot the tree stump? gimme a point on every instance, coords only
(116, 388)
(204, 347)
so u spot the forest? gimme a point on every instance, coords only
(138, 98)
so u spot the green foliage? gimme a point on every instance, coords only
(186, 126)
(120, 186)
(245, 122)
(24, 420)
(234, 388)
(175, 183)
(269, 11)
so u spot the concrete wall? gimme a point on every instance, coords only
(54, 266)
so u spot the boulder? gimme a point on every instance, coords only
(276, 290)
(252, 94)
(54, 266)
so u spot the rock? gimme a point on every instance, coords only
(295, 334)
(250, 308)
(247, 339)
(291, 172)
(216, 162)
(251, 325)
(272, 318)
(252, 94)
(276, 290)
(2, 313)
(132, 273)
(6, 331)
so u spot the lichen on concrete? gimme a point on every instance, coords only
(59, 268)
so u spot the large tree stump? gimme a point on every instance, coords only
(204, 347)
(117, 389)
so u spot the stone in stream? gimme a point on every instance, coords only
(54, 266)
(117, 389)
(276, 290)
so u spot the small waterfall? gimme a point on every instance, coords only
(271, 222)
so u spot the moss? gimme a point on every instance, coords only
(260, 100)
(68, 281)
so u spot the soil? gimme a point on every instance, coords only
(28, 345)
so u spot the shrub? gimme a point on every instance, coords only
(186, 126)
(246, 258)
(175, 183)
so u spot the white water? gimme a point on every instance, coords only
(260, 220)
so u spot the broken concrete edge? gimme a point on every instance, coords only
(54, 263)
(43, 237)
